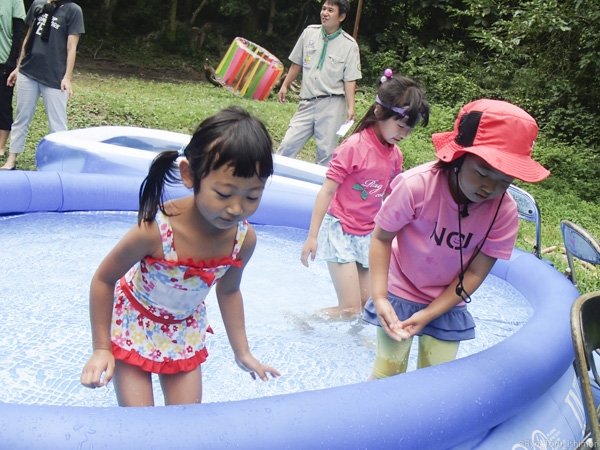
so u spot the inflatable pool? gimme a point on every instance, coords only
(519, 394)
(128, 151)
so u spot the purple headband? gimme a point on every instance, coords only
(396, 109)
(387, 75)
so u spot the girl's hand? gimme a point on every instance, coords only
(12, 78)
(101, 361)
(65, 86)
(414, 324)
(309, 249)
(389, 320)
(250, 364)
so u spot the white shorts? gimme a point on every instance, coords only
(337, 246)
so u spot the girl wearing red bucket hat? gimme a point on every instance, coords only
(440, 231)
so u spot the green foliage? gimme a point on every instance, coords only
(139, 18)
(435, 69)
(373, 65)
(445, 74)
(579, 165)
(544, 55)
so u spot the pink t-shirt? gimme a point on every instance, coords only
(425, 256)
(364, 168)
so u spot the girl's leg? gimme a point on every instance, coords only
(55, 103)
(434, 351)
(391, 357)
(3, 138)
(345, 277)
(364, 280)
(182, 388)
(28, 93)
(133, 386)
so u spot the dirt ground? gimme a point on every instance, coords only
(104, 66)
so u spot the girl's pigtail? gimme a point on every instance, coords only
(162, 170)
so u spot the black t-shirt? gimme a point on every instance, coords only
(47, 62)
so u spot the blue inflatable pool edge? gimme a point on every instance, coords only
(438, 407)
(507, 396)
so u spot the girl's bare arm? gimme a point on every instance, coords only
(324, 196)
(137, 243)
(474, 276)
(231, 305)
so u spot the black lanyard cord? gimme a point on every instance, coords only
(460, 289)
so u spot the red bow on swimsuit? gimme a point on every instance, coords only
(206, 276)
(201, 269)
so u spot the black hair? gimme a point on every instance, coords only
(402, 92)
(342, 5)
(455, 164)
(230, 137)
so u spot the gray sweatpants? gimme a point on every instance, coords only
(28, 93)
(319, 117)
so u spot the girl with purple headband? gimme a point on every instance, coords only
(357, 180)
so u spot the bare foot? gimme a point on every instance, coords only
(11, 162)
(299, 322)
(337, 313)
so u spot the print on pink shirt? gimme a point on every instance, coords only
(369, 187)
(452, 240)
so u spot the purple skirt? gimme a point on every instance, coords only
(455, 325)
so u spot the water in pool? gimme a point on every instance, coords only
(49, 259)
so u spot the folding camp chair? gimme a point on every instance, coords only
(585, 331)
(528, 210)
(579, 244)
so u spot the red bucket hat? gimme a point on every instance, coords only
(497, 131)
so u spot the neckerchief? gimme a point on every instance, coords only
(326, 39)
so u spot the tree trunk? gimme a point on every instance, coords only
(172, 31)
(272, 13)
(251, 20)
(195, 14)
(107, 7)
(357, 21)
(302, 16)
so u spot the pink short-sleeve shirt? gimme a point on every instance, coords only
(425, 253)
(364, 168)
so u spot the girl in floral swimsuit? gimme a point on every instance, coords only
(147, 297)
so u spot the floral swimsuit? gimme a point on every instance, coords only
(159, 317)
